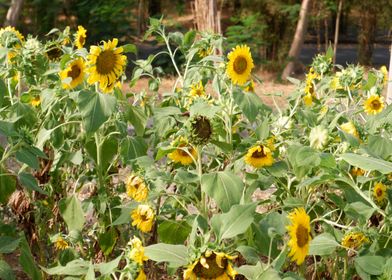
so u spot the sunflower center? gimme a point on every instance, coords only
(259, 154)
(74, 72)
(202, 128)
(213, 271)
(106, 62)
(240, 64)
(82, 40)
(302, 235)
(379, 192)
(375, 104)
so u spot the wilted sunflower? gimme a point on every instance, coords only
(75, 70)
(197, 89)
(60, 244)
(80, 37)
(106, 63)
(35, 101)
(240, 64)
(259, 156)
(53, 52)
(184, 152)
(211, 265)
(136, 188)
(299, 232)
(374, 104)
(143, 217)
(10, 37)
(380, 192)
(354, 240)
(137, 251)
(201, 130)
(350, 128)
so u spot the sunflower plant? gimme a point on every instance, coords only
(202, 182)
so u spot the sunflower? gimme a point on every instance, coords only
(10, 37)
(137, 251)
(353, 240)
(259, 156)
(240, 64)
(201, 130)
(211, 265)
(80, 37)
(184, 154)
(36, 101)
(197, 89)
(60, 244)
(318, 137)
(110, 87)
(299, 232)
(141, 275)
(308, 100)
(250, 87)
(350, 128)
(356, 171)
(143, 217)
(74, 71)
(380, 192)
(384, 71)
(204, 52)
(106, 63)
(374, 104)
(136, 188)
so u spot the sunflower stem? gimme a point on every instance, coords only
(203, 207)
(99, 160)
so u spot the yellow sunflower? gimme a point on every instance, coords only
(204, 52)
(197, 89)
(141, 275)
(106, 63)
(259, 156)
(110, 87)
(80, 37)
(60, 244)
(299, 232)
(143, 217)
(380, 192)
(184, 154)
(137, 251)
(36, 101)
(374, 104)
(350, 128)
(356, 171)
(10, 37)
(354, 240)
(250, 87)
(308, 100)
(384, 71)
(211, 265)
(136, 188)
(75, 71)
(240, 64)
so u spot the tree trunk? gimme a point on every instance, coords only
(141, 22)
(298, 40)
(206, 15)
(335, 41)
(13, 13)
(389, 88)
(366, 36)
(154, 8)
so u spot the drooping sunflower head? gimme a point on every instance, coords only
(184, 153)
(374, 104)
(197, 90)
(106, 63)
(299, 232)
(73, 74)
(53, 52)
(201, 130)
(211, 265)
(380, 192)
(80, 37)
(204, 51)
(259, 156)
(354, 240)
(350, 128)
(318, 137)
(143, 217)
(60, 244)
(10, 37)
(137, 251)
(136, 188)
(240, 64)
(35, 101)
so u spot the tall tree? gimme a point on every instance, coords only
(206, 15)
(13, 13)
(298, 40)
(335, 42)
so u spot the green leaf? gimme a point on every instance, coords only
(372, 265)
(29, 181)
(8, 244)
(249, 253)
(108, 268)
(95, 108)
(24, 155)
(203, 109)
(7, 186)
(107, 241)
(72, 213)
(258, 272)
(129, 48)
(27, 262)
(125, 216)
(359, 210)
(175, 255)
(224, 187)
(234, 222)
(132, 148)
(368, 163)
(189, 38)
(379, 146)
(173, 232)
(303, 159)
(6, 272)
(73, 268)
(323, 244)
(3, 90)
(250, 104)
(137, 118)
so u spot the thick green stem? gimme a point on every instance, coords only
(101, 182)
